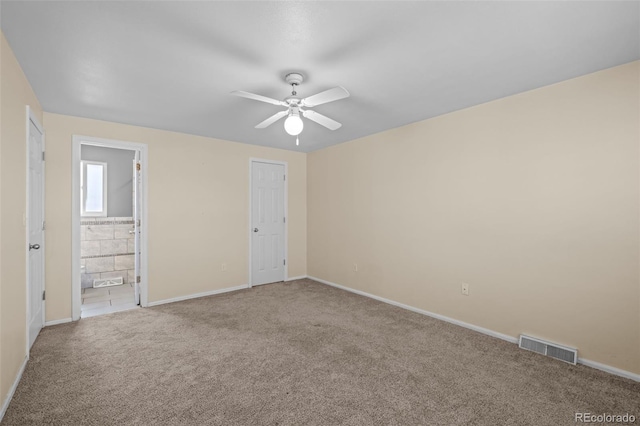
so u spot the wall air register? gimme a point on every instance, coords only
(553, 350)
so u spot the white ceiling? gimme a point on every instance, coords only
(172, 65)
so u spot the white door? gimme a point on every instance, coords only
(36, 232)
(137, 214)
(268, 222)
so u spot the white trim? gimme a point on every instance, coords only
(197, 295)
(31, 118)
(299, 277)
(76, 287)
(27, 237)
(78, 140)
(12, 391)
(510, 339)
(609, 369)
(44, 218)
(423, 312)
(286, 214)
(58, 321)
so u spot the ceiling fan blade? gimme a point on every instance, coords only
(258, 98)
(326, 96)
(321, 119)
(269, 121)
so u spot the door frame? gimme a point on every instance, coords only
(286, 215)
(31, 118)
(76, 287)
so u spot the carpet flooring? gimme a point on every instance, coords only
(298, 353)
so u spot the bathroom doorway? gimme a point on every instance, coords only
(109, 226)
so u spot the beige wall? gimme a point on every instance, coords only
(15, 95)
(198, 209)
(532, 199)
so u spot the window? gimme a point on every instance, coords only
(93, 184)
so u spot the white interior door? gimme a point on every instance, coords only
(268, 223)
(137, 214)
(35, 232)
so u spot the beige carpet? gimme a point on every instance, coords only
(298, 353)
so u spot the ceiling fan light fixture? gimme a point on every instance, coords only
(293, 124)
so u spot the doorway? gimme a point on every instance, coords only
(35, 228)
(109, 226)
(268, 222)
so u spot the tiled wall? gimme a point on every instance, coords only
(107, 249)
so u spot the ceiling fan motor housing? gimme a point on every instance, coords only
(294, 78)
(293, 100)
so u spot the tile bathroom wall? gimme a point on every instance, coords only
(107, 249)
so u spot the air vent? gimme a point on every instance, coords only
(107, 282)
(553, 350)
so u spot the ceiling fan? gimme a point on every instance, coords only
(296, 106)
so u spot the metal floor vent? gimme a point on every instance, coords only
(107, 282)
(553, 350)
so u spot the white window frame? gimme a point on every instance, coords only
(83, 174)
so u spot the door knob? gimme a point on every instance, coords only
(34, 247)
(255, 229)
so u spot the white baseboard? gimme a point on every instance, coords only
(422, 311)
(195, 296)
(586, 362)
(609, 369)
(7, 400)
(58, 321)
(299, 277)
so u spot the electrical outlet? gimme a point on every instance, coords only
(223, 267)
(465, 289)
(355, 267)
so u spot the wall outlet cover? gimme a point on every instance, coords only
(465, 289)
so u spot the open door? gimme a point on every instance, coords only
(137, 214)
(35, 230)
